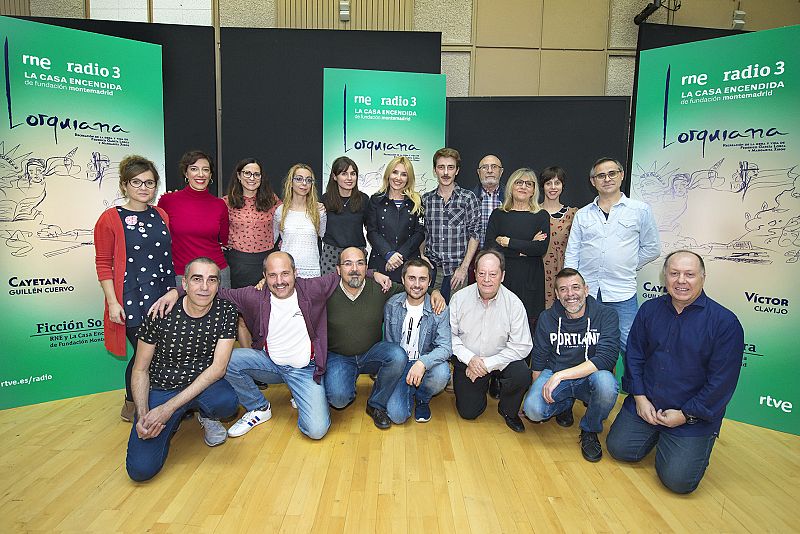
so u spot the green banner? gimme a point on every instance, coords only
(374, 116)
(75, 103)
(716, 154)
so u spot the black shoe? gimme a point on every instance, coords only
(590, 446)
(565, 418)
(494, 387)
(380, 417)
(513, 422)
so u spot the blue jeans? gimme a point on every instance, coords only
(386, 359)
(146, 457)
(626, 310)
(598, 390)
(681, 461)
(402, 400)
(248, 365)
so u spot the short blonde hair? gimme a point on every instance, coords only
(516, 176)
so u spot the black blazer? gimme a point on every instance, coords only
(391, 229)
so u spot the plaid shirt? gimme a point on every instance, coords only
(449, 227)
(489, 202)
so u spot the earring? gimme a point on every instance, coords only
(186, 179)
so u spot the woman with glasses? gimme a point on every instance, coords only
(346, 209)
(133, 258)
(394, 220)
(198, 219)
(520, 229)
(552, 180)
(300, 220)
(251, 209)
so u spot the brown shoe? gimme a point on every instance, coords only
(127, 412)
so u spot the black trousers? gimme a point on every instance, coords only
(515, 380)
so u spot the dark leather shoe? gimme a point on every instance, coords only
(590, 446)
(565, 418)
(513, 422)
(494, 387)
(379, 417)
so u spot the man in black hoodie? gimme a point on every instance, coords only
(574, 352)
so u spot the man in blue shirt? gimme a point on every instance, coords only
(611, 239)
(409, 321)
(681, 368)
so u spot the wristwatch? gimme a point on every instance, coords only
(690, 419)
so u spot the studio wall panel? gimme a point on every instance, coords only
(506, 72)
(572, 72)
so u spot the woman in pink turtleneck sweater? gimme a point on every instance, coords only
(198, 221)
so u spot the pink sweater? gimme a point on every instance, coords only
(198, 222)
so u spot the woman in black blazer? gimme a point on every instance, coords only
(394, 220)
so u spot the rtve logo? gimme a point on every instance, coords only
(772, 402)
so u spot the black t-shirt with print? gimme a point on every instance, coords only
(185, 345)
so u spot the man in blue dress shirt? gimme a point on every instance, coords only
(681, 368)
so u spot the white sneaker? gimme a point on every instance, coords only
(213, 432)
(293, 403)
(249, 420)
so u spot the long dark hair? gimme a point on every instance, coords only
(265, 197)
(333, 200)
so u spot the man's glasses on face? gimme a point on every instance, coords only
(490, 167)
(610, 174)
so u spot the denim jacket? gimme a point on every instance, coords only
(434, 331)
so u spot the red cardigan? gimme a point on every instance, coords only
(110, 257)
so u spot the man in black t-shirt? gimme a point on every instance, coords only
(180, 364)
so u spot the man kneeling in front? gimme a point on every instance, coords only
(180, 365)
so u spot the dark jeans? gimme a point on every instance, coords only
(515, 380)
(130, 333)
(386, 359)
(146, 457)
(681, 461)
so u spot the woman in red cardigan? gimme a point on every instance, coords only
(133, 257)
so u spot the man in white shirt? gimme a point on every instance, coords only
(490, 333)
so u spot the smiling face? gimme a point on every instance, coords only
(684, 277)
(346, 180)
(446, 170)
(352, 267)
(398, 179)
(301, 182)
(553, 188)
(279, 274)
(198, 174)
(572, 293)
(250, 178)
(488, 275)
(523, 189)
(416, 281)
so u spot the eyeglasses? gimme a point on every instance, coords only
(490, 167)
(250, 174)
(525, 183)
(350, 264)
(609, 174)
(137, 183)
(303, 180)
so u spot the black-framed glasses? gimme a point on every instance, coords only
(303, 180)
(490, 167)
(609, 174)
(250, 174)
(137, 183)
(526, 183)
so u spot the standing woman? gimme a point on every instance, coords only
(198, 219)
(346, 208)
(133, 258)
(520, 230)
(300, 220)
(251, 209)
(552, 181)
(394, 220)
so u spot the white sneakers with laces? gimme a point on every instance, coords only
(249, 421)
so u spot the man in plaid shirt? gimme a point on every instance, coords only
(489, 191)
(452, 225)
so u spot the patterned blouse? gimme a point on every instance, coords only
(560, 225)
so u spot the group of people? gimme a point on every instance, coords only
(552, 306)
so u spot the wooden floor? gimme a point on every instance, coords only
(62, 468)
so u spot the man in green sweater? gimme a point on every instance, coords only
(355, 332)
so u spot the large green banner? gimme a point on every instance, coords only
(716, 154)
(75, 103)
(374, 116)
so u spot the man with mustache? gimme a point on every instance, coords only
(452, 225)
(355, 346)
(574, 352)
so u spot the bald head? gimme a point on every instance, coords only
(279, 273)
